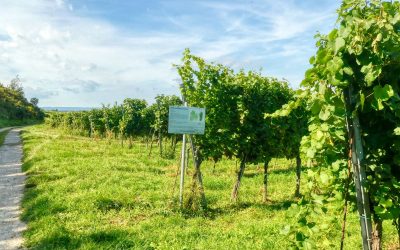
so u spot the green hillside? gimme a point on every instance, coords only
(15, 109)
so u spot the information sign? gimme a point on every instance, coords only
(186, 120)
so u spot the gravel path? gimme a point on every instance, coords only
(2, 129)
(11, 189)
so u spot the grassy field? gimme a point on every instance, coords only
(85, 193)
(12, 123)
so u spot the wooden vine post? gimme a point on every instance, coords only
(357, 157)
(197, 176)
(159, 130)
(298, 176)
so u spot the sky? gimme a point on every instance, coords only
(84, 53)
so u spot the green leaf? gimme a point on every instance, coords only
(310, 153)
(325, 113)
(362, 100)
(348, 71)
(324, 127)
(383, 93)
(319, 135)
(396, 18)
(371, 73)
(316, 107)
(284, 112)
(397, 131)
(324, 178)
(333, 34)
(378, 37)
(334, 65)
(377, 104)
(340, 134)
(386, 203)
(339, 44)
(380, 210)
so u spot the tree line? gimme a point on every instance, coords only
(15, 106)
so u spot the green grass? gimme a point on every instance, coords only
(3, 136)
(84, 193)
(12, 123)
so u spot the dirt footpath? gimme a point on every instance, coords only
(11, 189)
(2, 129)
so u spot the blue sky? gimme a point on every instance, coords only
(89, 52)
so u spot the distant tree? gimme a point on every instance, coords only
(16, 86)
(14, 105)
(34, 101)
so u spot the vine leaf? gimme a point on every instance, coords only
(348, 71)
(324, 178)
(325, 113)
(371, 73)
(339, 44)
(383, 93)
(362, 99)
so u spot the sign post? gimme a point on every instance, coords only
(185, 120)
(183, 161)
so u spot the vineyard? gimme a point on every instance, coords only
(277, 168)
(353, 95)
(132, 119)
(244, 122)
(86, 193)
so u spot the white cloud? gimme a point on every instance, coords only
(69, 59)
(67, 51)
